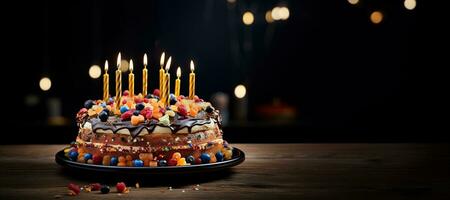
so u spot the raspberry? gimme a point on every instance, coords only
(95, 186)
(126, 93)
(121, 187)
(182, 110)
(156, 92)
(97, 159)
(126, 115)
(74, 188)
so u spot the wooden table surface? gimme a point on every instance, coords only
(271, 171)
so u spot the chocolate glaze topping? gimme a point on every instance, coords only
(175, 126)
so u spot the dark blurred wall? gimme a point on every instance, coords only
(339, 72)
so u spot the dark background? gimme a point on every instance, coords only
(343, 77)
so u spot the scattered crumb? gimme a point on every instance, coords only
(170, 188)
(183, 191)
(57, 196)
(137, 185)
(196, 188)
(198, 185)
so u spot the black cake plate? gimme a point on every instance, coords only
(238, 158)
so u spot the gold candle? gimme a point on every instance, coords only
(131, 79)
(166, 85)
(161, 73)
(106, 83)
(192, 82)
(118, 83)
(144, 77)
(177, 82)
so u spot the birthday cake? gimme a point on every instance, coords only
(145, 131)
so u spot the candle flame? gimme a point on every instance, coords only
(169, 61)
(119, 59)
(192, 66)
(178, 72)
(106, 66)
(161, 61)
(145, 59)
(131, 65)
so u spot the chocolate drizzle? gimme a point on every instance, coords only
(175, 126)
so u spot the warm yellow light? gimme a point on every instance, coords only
(124, 65)
(169, 61)
(376, 17)
(283, 12)
(240, 91)
(231, 1)
(248, 18)
(45, 83)
(145, 59)
(353, 2)
(192, 66)
(161, 60)
(276, 13)
(95, 71)
(106, 66)
(119, 60)
(131, 65)
(268, 16)
(178, 72)
(410, 4)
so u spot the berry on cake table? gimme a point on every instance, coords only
(104, 189)
(162, 163)
(121, 187)
(95, 186)
(73, 189)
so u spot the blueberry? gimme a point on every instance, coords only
(87, 156)
(105, 189)
(149, 96)
(103, 105)
(124, 109)
(136, 112)
(114, 161)
(219, 156)
(88, 104)
(162, 163)
(205, 158)
(103, 116)
(190, 159)
(140, 106)
(73, 155)
(138, 163)
(173, 101)
(209, 109)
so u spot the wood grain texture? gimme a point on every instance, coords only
(271, 171)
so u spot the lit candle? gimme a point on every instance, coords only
(192, 82)
(106, 83)
(177, 82)
(144, 77)
(161, 73)
(131, 79)
(118, 83)
(166, 88)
